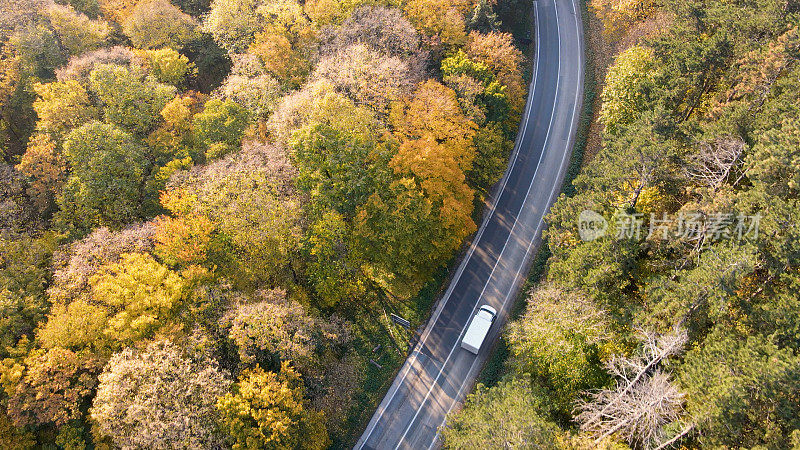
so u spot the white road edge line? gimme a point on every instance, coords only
(511, 233)
(413, 357)
(563, 160)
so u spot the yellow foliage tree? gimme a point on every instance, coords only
(434, 114)
(183, 240)
(142, 295)
(267, 410)
(498, 52)
(618, 15)
(442, 19)
(284, 43)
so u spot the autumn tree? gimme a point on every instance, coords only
(76, 32)
(155, 397)
(168, 66)
(319, 103)
(385, 30)
(62, 107)
(327, 12)
(268, 410)
(76, 263)
(261, 223)
(434, 113)
(618, 16)
(75, 326)
(284, 42)
(424, 214)
(233, 23)
(156, 24)
(79, 67)
(250, 86)
(56, 387)
(497, 51)
(370, 78)
(44, 163)
(275, 329)
(183, 240)
(440, 19)
(173, 145)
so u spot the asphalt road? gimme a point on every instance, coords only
(438, 373)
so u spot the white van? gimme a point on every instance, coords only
(478, 329)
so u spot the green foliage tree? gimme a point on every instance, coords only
(561, 340)
(220, 127)
(127, 100)
(742, 390)
(108, 172)
(338, 169)
(36, 45)
(20, 314)
(508, 415)
(400, 235)
(624, 92)
(333, 269)
(267, 410)
(15, 438)
(491, 154)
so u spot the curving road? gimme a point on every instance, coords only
(438, 373)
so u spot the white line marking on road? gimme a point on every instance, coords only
(511, 233)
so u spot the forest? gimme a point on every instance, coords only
(668, 338)
(208, 207)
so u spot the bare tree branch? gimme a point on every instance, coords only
(715, 161)
(644, 400)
